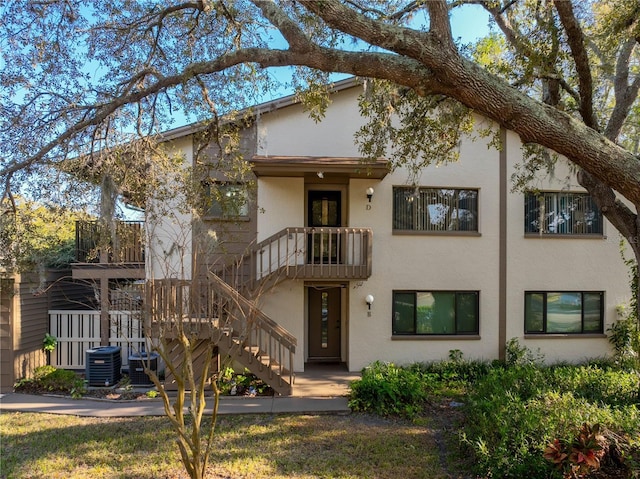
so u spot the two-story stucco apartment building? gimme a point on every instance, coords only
(371, 267)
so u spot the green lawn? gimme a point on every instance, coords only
(255, 446)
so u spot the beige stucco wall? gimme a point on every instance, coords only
(560, 264)
(431, 262)
(168, 224)
(290, 131)
(427, 262)
(285, 305)
(280, 205)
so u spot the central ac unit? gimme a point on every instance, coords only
(102, 366)
(136, 368)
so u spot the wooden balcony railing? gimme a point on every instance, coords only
(95, 244)
(304, 253)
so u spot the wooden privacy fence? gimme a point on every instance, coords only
(78, 331)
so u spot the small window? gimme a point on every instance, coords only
(567, 312)
(435, 312)
(434, 209)
(561, 213)
(226, 200)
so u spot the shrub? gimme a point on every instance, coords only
(514, 414)
(50, 379)
(246, 383)
(387, 389)
(456, 370)
(614, 387)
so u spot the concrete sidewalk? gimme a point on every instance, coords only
(154, 407)
(320, 389)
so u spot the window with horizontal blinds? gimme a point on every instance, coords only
(435, 209)
(561, 213)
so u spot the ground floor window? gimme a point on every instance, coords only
(435, 312)
(565, 312)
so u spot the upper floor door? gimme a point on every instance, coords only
(324, 210)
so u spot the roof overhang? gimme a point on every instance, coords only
(308, 166)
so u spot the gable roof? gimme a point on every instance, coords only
(256, 110)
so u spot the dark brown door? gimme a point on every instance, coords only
(324, 323)
(324, 210)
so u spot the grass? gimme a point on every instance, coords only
(256, 446)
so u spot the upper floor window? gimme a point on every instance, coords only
(563, 312)
(226, 200)
(434, 209)
(561, 213)
(435, 312)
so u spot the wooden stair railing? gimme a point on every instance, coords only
(211, 309)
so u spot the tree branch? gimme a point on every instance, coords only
(513, 37)
(401, 40)
(625, 94)
(439, 22)
(290, 30)
(395, 68)
(615, 210)
(576, 40)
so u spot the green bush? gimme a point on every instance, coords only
(515, 409)
(456, 370)
(513, 414)
(614, 387)
(232, 383)
(387, 389)
(50, 379)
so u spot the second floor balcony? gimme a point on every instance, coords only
(312, 253)
(95, 243)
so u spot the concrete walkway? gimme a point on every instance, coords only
(154, 407)
(317, 390)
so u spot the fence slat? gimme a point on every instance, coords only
(77, 331)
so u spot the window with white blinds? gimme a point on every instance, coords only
(434, 209)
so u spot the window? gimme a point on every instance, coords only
(560, 213)
(226, 200)
(434, 209)
(435, 312)
(563, 312)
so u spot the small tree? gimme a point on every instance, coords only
(186, 312)
(624, 334)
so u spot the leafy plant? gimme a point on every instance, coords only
(79, 388)
(513, 414)
(387, 389)
(581, 456)
(50, 379)
(624, 336)
(49, 343)
(232, 383)
(518, 355)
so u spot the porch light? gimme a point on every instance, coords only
(369, 196)
(369, 300)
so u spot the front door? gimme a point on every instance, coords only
(325, 209)
(324, 323)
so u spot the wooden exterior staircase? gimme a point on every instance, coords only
(221, 308)
(212, 310)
